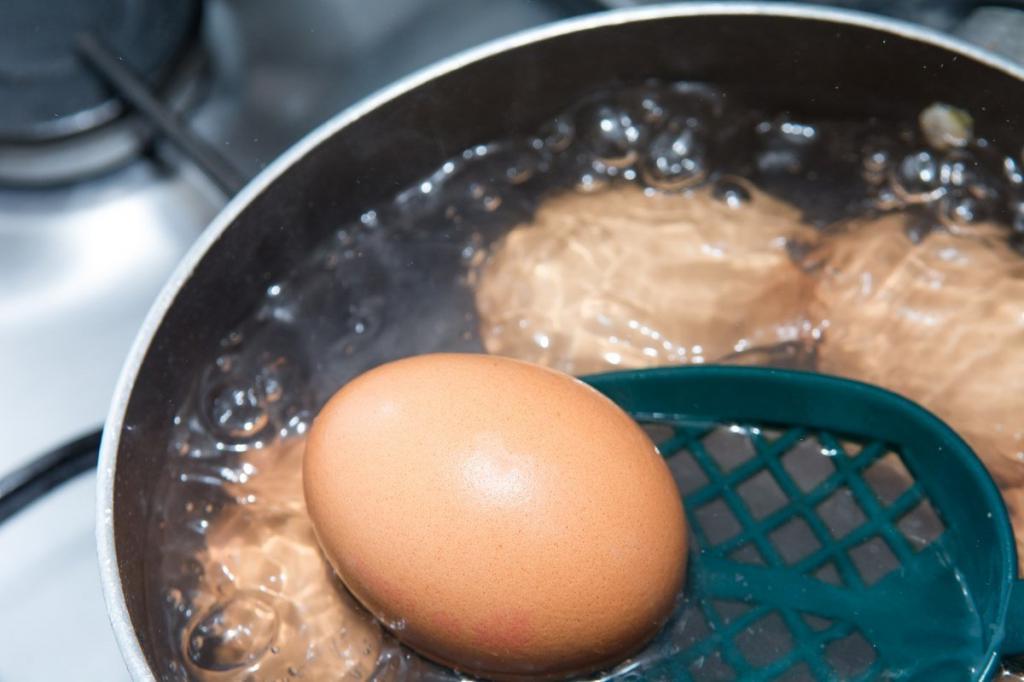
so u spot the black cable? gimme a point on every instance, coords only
(25, 485)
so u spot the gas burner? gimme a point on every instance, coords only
(60, 120)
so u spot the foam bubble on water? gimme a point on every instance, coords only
(958, 179)
(237, 412)
(234, 634)
(876, 163)
(675, 158)
(915, 179)
(731, 191)
(610, 134)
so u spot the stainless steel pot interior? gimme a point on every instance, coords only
(808, 61)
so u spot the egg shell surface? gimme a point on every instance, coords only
(501, 518)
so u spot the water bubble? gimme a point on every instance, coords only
(787, 146)
(1012, 171)
(491, 203)
(875, 164)
(472, 247)
(364, 317)
(653, 112)
(783, 132)
(919, 168)
(797, 133)
(604, 169)
(272, 387)
(370, 219)
(591, 181)
(484, 195)
(983, 189)
(1018, 218)
(419, 199)
(887, 200)
(958, 210)
(557, 135)
(731, 191)
(241, 394)
(876, 160)
(916, 179)
(611, 134)
(518, 173)
(675, 159)
(397, 625)
(516, 164)
(233, 635)
(958, 170)
(297, 421)
(238, 412)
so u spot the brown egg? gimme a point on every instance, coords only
(939, 319)
(501, 518)
(620, 279)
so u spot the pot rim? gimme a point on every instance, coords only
(110, 577)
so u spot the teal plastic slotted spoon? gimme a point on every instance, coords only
(867, 594)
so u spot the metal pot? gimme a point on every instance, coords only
(809, 61)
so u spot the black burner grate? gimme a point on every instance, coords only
(48, 92)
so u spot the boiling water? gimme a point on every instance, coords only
(237, 587)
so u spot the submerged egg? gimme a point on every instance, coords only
(502, 518)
